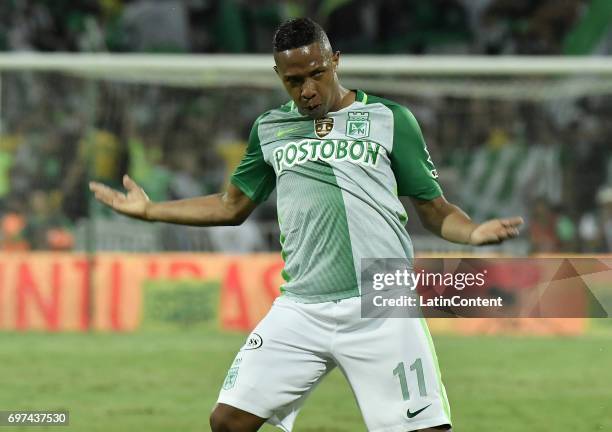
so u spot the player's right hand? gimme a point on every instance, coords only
(134, 203)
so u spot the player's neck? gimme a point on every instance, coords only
(345, 98)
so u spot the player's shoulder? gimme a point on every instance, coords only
(401, 113)
(282, 112)
(397, 108)
(403, 119)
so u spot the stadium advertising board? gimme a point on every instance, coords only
(55, 292)
(74, 292)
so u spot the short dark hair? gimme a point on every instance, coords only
(296, 33)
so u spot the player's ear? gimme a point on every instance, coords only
(275, 69)
(336, 59)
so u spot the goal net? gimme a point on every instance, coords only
(509, 136)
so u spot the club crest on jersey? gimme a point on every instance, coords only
(232, 374)
(358, 124)
(324, 126)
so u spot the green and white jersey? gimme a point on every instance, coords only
(338, 181)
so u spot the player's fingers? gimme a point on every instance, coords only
(128, 183)
(505, 234)
(106, 194)
(502, 235)
(98, 187)
(94, 186)
(512, 222)
(105, 199)
(491, 237)
(102, 198)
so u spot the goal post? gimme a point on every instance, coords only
(256, 70)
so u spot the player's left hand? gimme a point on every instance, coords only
(495, 231)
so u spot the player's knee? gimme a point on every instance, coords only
(220, 421)
(228, 419)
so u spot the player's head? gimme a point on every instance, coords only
(306, 65)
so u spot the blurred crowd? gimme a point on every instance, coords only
(495, 157)
(356, 26)
(548, 160)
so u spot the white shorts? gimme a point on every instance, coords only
(390, 365)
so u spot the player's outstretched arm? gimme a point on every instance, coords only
(451, 223)
(231, 207)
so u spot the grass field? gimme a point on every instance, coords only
(167, 380)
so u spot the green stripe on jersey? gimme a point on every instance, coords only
(411, 163)
(319, 256)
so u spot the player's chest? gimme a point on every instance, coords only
(356, 136)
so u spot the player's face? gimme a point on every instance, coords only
(309, 76)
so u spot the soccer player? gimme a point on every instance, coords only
(339, 159)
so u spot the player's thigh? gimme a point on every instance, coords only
(281, 361)
(393, 370)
